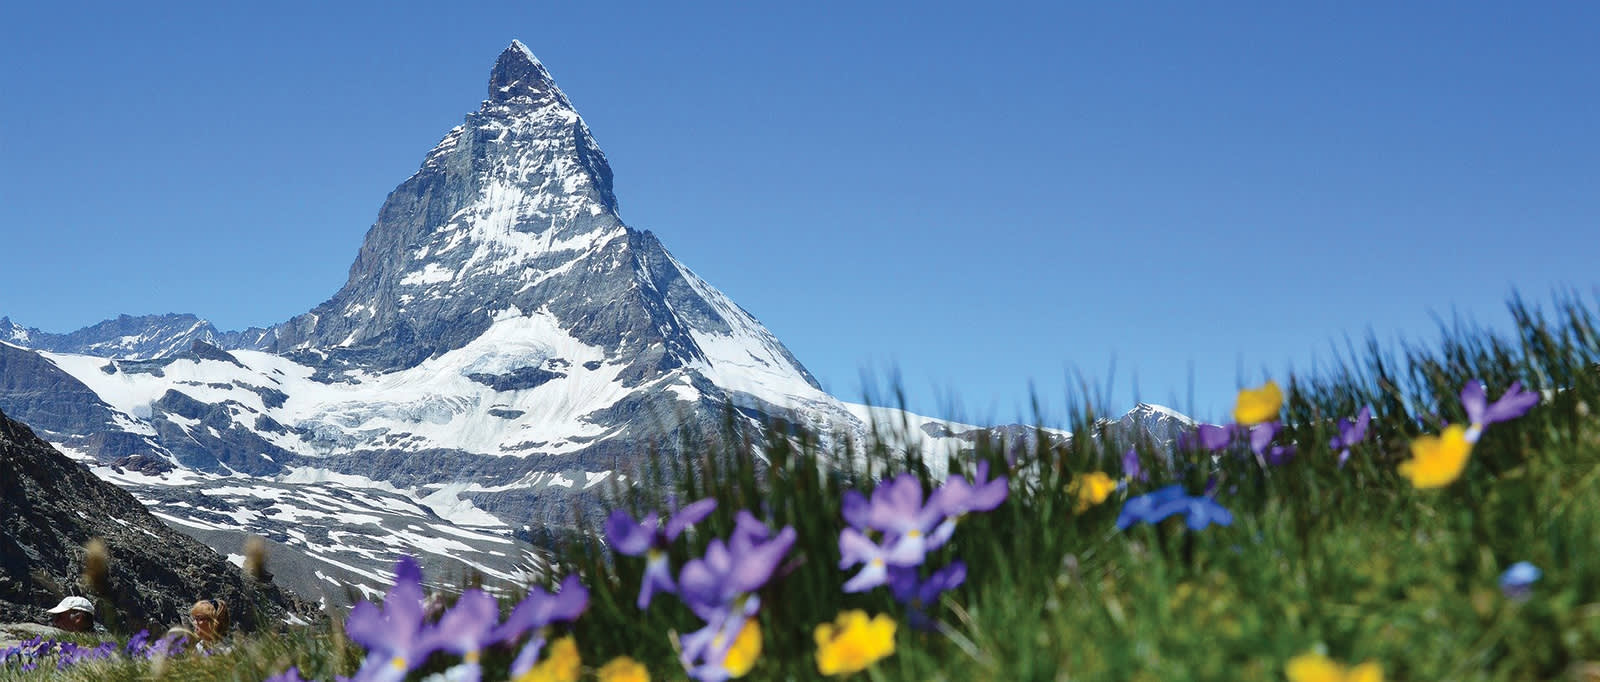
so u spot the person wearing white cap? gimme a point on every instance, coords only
(73, 614)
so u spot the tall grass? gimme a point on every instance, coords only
(1351, 560)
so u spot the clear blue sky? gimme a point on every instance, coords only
(980, 196)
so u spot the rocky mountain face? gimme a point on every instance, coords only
(1161, 426)
(505, 352)
(128, 337)
(53, 506)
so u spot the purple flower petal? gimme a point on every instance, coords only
(1213, 437)
(1363, 419)
(688, 516)
(1261, 436)
(466, 627)
(855, 548)
(629, 538)
(657, 578)
(1130, 466)
(942, 580)
(1514, 403)
(1474, 399)
(748, 531)
(527, 657)
(541, 608)
(756, 568)
(856, 509)
(873, 574)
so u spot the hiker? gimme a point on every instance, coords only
(211, 621)
(73, 614)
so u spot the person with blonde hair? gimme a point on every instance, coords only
(210, 618)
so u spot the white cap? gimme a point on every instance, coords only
(73, 604)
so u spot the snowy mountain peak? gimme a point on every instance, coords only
(517, 73)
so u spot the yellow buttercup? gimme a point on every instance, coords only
(1258, 405)
(1437, 461)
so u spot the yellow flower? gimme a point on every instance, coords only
(851, 642)
(1091, 489)
(1258, 405)
(561, 664)
(745, 650)
(623, 669)
(1315, 667)
(1437, 461)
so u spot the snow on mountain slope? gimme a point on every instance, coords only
(523, 385)
(344, 529)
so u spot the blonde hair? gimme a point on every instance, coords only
(214, 610)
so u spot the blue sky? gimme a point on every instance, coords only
(982, 197)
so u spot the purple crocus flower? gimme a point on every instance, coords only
(537, 610)
(136, 643)
(1514, 403)
(908, 525)
(165, 646)
(721, 587)
(731, 570)
(1208, 437)
(650, 538)
(1131, 470)
(1351, 433)
(396, 637)
(705, 651)
(1155, 507)
(466, 630)
(1261, 436)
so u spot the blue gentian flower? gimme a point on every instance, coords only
(1155, 507)
(1517, 582)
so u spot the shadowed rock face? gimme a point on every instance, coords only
(52, 507)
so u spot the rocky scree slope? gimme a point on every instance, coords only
(53, 506)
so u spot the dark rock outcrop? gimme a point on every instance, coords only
(53, 507)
